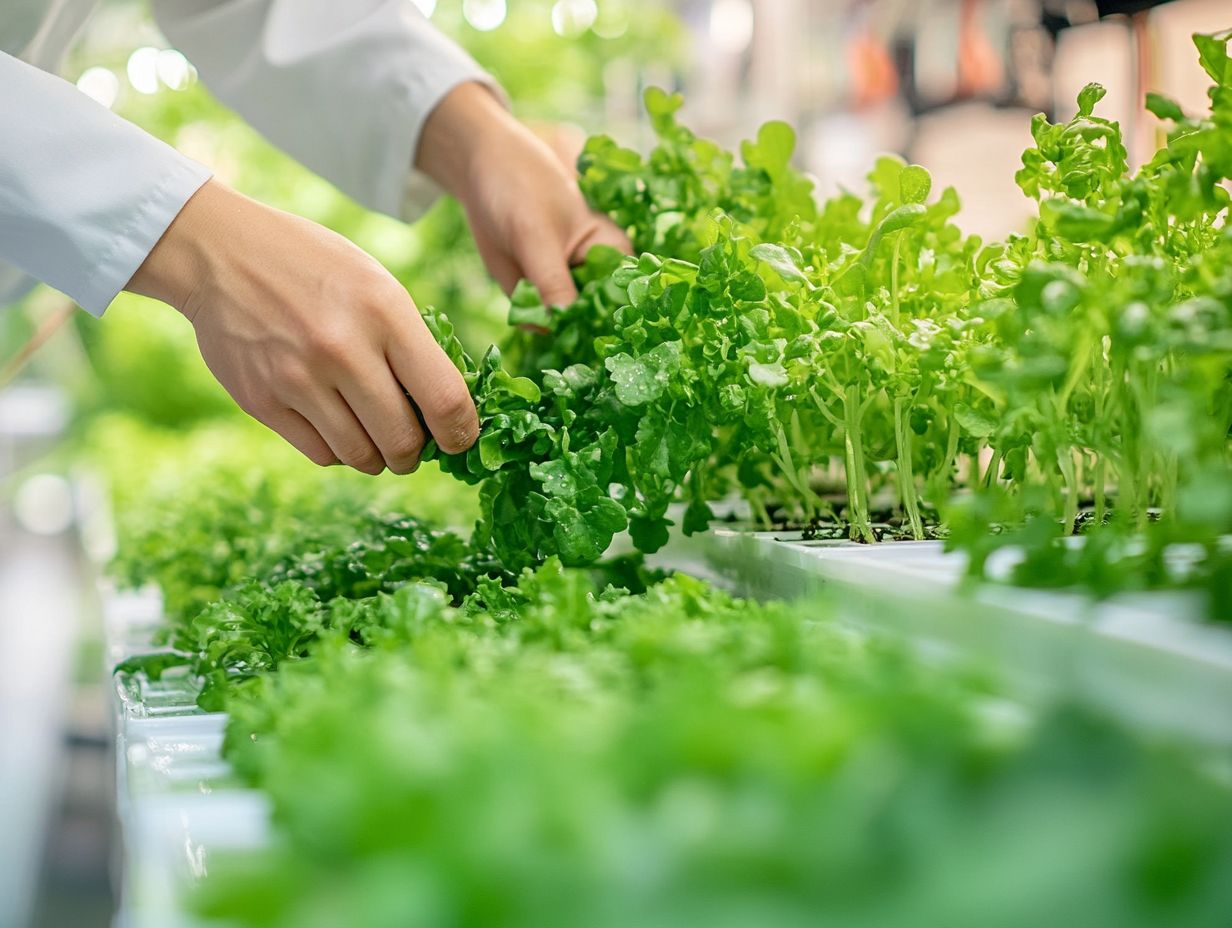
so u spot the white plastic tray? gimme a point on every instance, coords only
(176, 798)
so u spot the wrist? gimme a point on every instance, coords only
(177, 265)
(469, 123)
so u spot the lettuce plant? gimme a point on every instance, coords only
(763, 343)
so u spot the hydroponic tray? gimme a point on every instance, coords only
(1150, 659)
(176, 799)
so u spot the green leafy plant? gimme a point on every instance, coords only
(759, 342)
(553, 753)
(474, 732)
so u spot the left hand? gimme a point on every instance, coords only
(525, 211)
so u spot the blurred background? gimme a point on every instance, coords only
(950, 84)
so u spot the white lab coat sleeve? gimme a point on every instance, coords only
(343, 87)
(84, 194)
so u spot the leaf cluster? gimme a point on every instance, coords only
(826, 360)
(551, 753)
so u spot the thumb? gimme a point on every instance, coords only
(547, 268)
(602, 232)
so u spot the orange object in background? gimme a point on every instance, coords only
(980, 68)
(874, 79)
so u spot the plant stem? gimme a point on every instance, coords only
(825, 410)
(1101, 504)
(1065, 461)
(795, 477)
(1168, 485)
(1127, 476)
(757, 503)
(1143, 387)
(1097, 445)
(898, 243)
(857, 476)
(906, 477)
(939, 478)
(994, 464)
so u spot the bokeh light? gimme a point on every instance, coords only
(731, 25)
(484, 15)
(573, 17)
(612, 21)
(174, 70)
(43, 504)
(142, 69)
(100, 85)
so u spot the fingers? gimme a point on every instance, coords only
(436, 386)
(341, 430)
(547, 267)
(498, 262)
(354, 410)
(300, 433)
(368, 424)
(385, 413)
(602, 232)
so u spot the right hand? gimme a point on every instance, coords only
(308, 334)
(525, 209)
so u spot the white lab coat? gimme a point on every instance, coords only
(344, 87)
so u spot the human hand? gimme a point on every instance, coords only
(525, 211)
(308, 334)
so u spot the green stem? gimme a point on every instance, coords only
(1144, 386)
(942, 475)
(1065, 461)
(1100, 477)
(1101, 504)
(825, 410)
(994, 464)
(757, 503)
(906, 477)
(1128, 427)
(795, 477)
(898, 243)
(857, 476)
(1168, 487)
